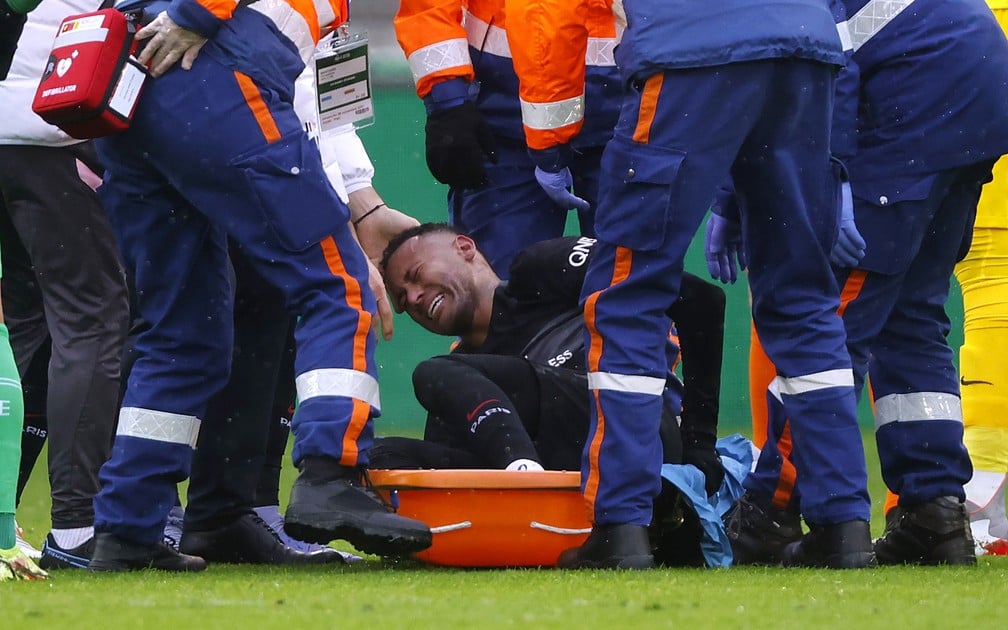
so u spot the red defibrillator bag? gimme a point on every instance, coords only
(91, 84)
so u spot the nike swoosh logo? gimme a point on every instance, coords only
(485, 403)
(963, 381)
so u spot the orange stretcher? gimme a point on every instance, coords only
(490, 518)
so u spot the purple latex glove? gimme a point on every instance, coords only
(722, 247)
(557, 187)
(849, 248)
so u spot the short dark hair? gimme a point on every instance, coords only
(417, 230)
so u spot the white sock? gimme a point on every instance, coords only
(525, 464)
(71, 538)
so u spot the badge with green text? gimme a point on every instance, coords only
(343, 82)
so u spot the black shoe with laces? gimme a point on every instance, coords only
(759, 532)
(55, 557)
(611, 547)
(249, 540)
(330, 502)
(113, 554)
(933, 532)
(844, 545)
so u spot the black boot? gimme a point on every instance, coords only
(841, 546)
(934, 532)
(611, 547)
(112, 553)
(249, 540)
(330, 502)
(759, 532)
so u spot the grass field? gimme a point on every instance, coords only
(373, 595)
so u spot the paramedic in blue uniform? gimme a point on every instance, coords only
(216, 149)
(930, 123)
(745, 89)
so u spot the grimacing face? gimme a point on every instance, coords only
(429, 277)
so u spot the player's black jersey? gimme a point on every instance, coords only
(536, 313)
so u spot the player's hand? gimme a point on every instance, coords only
(709, 463)
(723, 247)
(168, 44)
(459, 143)
(849, 248)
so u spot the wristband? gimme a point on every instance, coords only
(357, 221)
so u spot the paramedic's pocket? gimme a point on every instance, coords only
(294, 196)
(893, 216)
(637, 185)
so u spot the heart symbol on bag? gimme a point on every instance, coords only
(63, 66)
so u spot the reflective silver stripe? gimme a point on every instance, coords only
(917, 406)
(601, 51)
(486, 37)
(845, 41)
(553, 115)
(291, 23)
(159, 426)
(326, 14)
(796, 385)
(493, 39)
(871, 19)
(450, 53)
(626, 383)
(10, 382)
(338, 382)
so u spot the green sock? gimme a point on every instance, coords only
(23, 6)
(7, 531)
(11, 421)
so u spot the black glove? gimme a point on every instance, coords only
(709, 463)
(459, 142)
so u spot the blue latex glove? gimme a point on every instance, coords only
(557, 187)
(722, 247)
(849, 248)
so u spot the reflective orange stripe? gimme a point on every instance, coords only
(222, 9)
(648, 106)
(354, 299)
(258, 106)
(592, 483)
(851, 289)
(361, 409)
(621, 270)
(307, 9)
(358, 420)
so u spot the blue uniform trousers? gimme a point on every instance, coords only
(897, 327)
(212, 152)
(680, 134)
(511, 212)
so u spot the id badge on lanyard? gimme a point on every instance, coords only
(343, 81)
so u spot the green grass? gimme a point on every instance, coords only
(373, 594)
